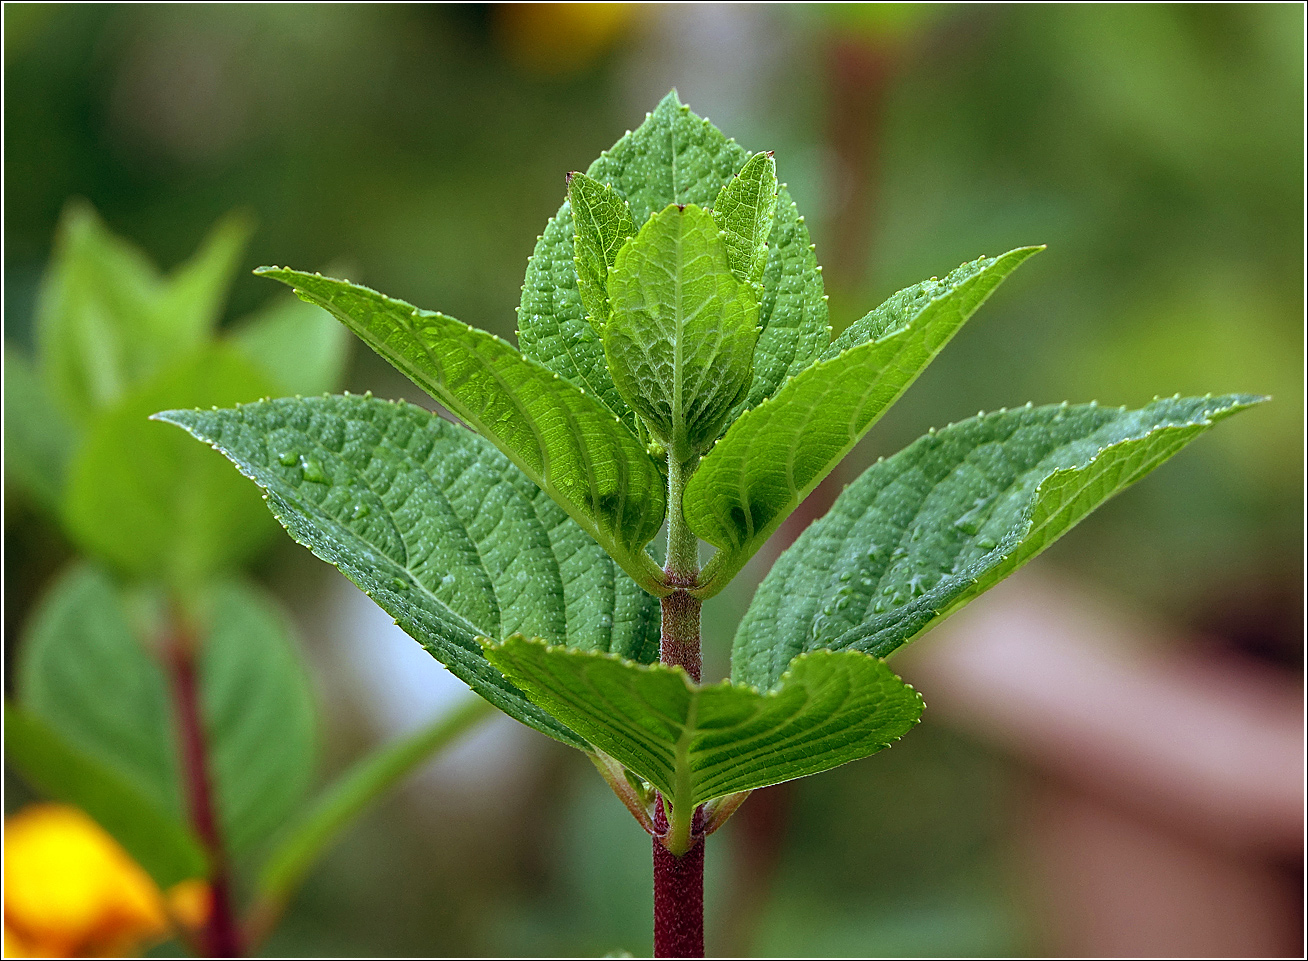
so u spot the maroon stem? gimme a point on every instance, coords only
(678, 895)
(221, 936)
(679, 633)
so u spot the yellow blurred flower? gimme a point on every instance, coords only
(71, 890)
(560, 39)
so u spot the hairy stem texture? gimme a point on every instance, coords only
(679, 881)
(678, 897)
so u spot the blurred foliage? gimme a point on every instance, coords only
(1156, 149)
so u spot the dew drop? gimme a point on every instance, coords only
(968, 525)
(288, 458)
(842, 603)
(847, 575)
(986, 544)
(360, 511)
(399, 583)
(313, 471)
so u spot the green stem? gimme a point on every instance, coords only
(344, 801)
(682, 569)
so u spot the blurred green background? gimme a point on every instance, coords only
(1157, 150)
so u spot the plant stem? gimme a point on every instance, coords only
(221, 935)
(678, 897)
(679, 881)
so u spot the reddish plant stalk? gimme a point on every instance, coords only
(221, 937)
(678, 895)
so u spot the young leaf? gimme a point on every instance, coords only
(744, 210)
(563, 439)
(680, 338)
(156, 840)
(439, 528)
(107, 320)
(302, 348)
(259, 715)
(696, 743)
(774, 455)
(39, 440)
(84, 672)
(150, 502)
(603, 224)
(923, 532)
(673, 157)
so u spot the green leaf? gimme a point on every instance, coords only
(696, 743)
(673, 157)
(107, 320)
(302, 348)
(776, 454)
(85, 672)
(259, 715)
(563, 439)
(923, 532)
(157, 841)
(439, 528)
(603, 224)
(152, 503)
(744, 210)
(680, 339)
(352, 793)
(38, 437)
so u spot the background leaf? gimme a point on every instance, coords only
(680, 339)
(776, 454)
(552, 326)
(259, 715)
(155, 839)
(565, 441)
(107, 320)
(922, 532)
(698, 743)
(439, 528)
(300, 347)
(39, 439)
(150, 502)
(84, 671)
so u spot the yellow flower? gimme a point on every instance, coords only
(71, 890)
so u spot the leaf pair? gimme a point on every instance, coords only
(674, 158)
(676, 305)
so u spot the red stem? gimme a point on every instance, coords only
(221, 935)
(678, 895)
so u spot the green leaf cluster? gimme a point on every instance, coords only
(674, 365)
(117, 340)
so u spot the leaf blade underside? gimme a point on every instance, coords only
(696, 743)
